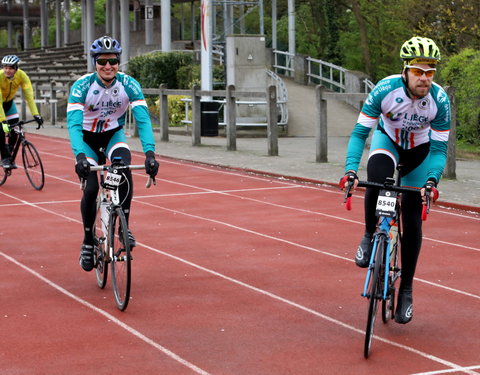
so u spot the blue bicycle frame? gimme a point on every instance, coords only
(384, 230)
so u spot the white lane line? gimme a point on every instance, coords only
(229, 193)
(110, 317)
(295, 244)
(307, 185)
(448, 371)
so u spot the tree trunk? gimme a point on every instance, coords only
(363, 35)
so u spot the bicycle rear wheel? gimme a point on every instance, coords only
(374, 293)
(33, 165)
(101, 256)
(121, 260)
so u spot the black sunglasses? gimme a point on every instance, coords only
(104, 62)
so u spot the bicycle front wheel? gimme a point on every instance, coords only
(4, 173)
(374, 293)
(100, 247)
(33, 165)
(121, 259)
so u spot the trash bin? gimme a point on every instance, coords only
(209, 119)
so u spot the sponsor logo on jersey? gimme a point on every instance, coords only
(423, 103)
(393, 117)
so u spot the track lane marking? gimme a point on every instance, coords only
(447, 371)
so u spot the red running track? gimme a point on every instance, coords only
(234, 273)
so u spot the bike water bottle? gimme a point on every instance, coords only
(104, 215)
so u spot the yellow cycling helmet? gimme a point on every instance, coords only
(418, 50)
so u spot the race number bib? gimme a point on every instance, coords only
(386, 203)
(112, 180)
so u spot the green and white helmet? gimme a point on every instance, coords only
(419, 50)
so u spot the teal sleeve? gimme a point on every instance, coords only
(355, 148)
(438, 158)
(144, 126)
(75, 127)
(75, 105)
(439, 134)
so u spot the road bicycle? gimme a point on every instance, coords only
(111, 243)
(32, 164)
(383, 270)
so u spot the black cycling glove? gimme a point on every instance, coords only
(82, 168)
(151, 165)
(39, 120)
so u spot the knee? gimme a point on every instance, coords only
(379, 167)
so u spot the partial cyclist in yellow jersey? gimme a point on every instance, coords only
(11, 78)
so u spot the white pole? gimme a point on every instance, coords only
(125, 33)
(66, 23)
(166, 26)
(291, 26)
(206, 45)
(58, 24)
(89, 32)
(274, 24)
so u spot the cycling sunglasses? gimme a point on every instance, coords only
(418, 72)
(104, 62)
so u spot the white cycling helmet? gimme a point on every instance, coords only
(10, 60)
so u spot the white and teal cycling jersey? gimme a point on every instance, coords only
(407, 122)
(92, 107)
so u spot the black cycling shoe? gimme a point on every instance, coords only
(404, 310)
(86, 257)
(131, 239)
(364, 251)
(7, 164)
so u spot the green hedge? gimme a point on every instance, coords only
(156, 68)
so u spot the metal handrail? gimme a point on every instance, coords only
(288, 66)
(330, 74)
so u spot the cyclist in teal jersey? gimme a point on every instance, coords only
(411, 117)
(96, 113)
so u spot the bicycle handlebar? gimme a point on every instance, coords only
(20, 123)
(386, 186)
(94, 168)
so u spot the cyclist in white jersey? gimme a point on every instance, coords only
(411, 117)
(96, 114)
